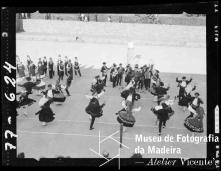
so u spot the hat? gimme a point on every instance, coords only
(164, 105)
(197, 93)
(28, 78)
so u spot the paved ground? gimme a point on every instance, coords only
(69, 134)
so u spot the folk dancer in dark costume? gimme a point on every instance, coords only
(58, 95)
(24, 100)
(46, 114)
(126, 117)
(77, 67)
(186, 99)
(94, 109)
(160, 92)
(104, 70)
(194, 122)
(163, 113)
(97, 85)
(45, 64)
(182, 85)
(125, 93)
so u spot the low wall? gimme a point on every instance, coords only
(175, 35)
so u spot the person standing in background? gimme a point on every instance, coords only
(104, 70)
(61, 71)
(32, 68)
(45, 62)
(120, 70)
(21, 69)
(70, 69)
(65, 65)
(28, 64)
(77, 67)
(40, 68)
(51, 68)
(147, 76)
(68, 83)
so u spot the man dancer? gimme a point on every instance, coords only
(182, 84)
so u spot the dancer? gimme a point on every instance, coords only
(24, 100)
(163, 113)
(94, 109)
(182, 85)
(46, 114)
(186, 99)
(160, 92)
(77, 67)
(195, 123)
(126, 117)
(194, 104)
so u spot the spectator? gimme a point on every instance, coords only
(21, 155)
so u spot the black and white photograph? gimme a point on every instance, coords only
(112, 86)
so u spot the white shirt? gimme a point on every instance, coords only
(50, 94)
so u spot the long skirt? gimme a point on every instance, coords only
(46, 115)
(96, 114)
(195, 124)
(59, 97)
(125, 118)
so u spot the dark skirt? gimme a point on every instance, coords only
(127, 119)
(59, 97)
(42, 87)
(46, 115)
(95, 114)
(183, 102)
(195, 124)
(24, 102)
